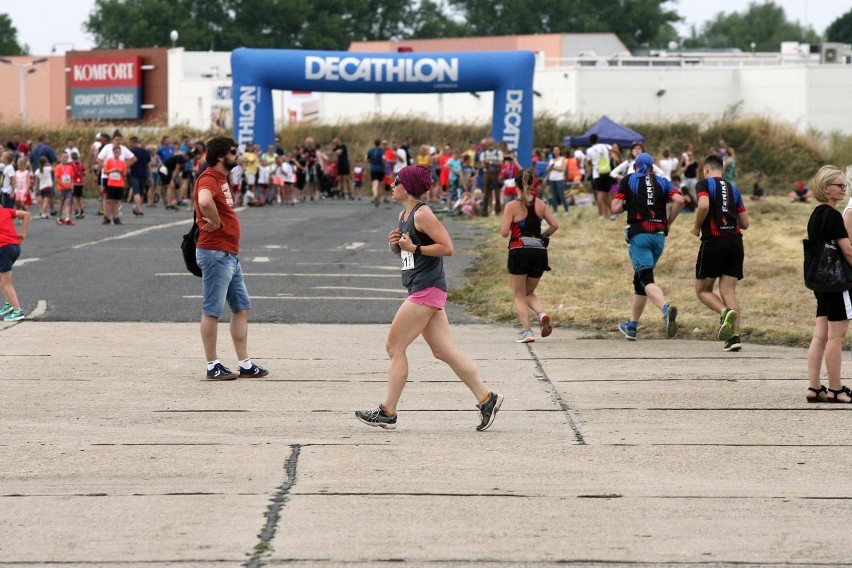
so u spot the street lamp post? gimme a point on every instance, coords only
(25, 69)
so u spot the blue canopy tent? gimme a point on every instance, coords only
(608, 132)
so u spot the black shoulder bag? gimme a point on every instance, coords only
(187, 246)
(825, 267)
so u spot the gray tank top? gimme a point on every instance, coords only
(418, 270)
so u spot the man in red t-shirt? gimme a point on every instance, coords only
(10, 250)
(216, 251)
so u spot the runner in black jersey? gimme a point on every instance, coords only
(421, 242)
(719, 219)
(645, 196)
(527, 253)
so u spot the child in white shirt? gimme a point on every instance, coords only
(264, 175)
(44, 175)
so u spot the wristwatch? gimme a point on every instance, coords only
(417, 250)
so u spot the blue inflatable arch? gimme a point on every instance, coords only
(256, 72)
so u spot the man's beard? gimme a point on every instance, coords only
(229, 165)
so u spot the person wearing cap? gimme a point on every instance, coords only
(625, 168)
(801, 194)
(421, 242)
(644, 196)
(101, 140)
(719, 220)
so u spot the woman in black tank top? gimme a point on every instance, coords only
(527, 253)
(421, 241)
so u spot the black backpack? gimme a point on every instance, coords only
(187, 246)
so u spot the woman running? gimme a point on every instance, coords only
(421, 241)
(527, 252)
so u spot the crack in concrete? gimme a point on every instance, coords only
(578, 435)
(273, 512)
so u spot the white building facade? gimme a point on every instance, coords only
(807, 94)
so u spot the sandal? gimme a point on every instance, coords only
(818, 398)
(842, 390)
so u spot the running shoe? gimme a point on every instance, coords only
(733, 344)
(670, 321)
(14, 315)
(106, 221)
(376, 417)
(726, 324)
(117, 221)
(254, 371)
(628, 331)
(544, 323)
(526, 337)
(69, 222)
(488, 410)
(7, 307)
(220, 373)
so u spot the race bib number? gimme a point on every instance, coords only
(407, 260)
(115, 175)
(66, 179)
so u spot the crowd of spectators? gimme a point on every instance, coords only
(472, 181)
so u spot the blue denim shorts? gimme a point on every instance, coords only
(137, 185)
(645, 250)
(222, 279)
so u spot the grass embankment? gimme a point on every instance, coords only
(772, 153)
(590, 284)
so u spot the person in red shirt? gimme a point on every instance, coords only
(77, 189)
(116, 172)
(10, 250)
(216, 251)
(390, 160)
(444, 179)
(64, 186)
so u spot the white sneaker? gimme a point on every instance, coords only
(526, 337)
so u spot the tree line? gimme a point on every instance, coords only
(223, 25)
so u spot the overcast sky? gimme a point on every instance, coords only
(45, 25)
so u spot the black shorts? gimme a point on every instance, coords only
(8, 255)
(377, 176)
(836, 306)
(720, 257)
(116, 193)
(525, 263)
(77, 191)
(603, 183)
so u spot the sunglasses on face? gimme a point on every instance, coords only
(233, 151)
(395, 181)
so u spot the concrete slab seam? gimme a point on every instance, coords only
(273, 512)
(578, 434)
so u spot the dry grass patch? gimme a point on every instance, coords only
(590, 285)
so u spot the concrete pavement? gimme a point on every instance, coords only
(114, 452)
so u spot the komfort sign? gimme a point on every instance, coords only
(106, 87)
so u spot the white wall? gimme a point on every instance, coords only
(807, 96)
